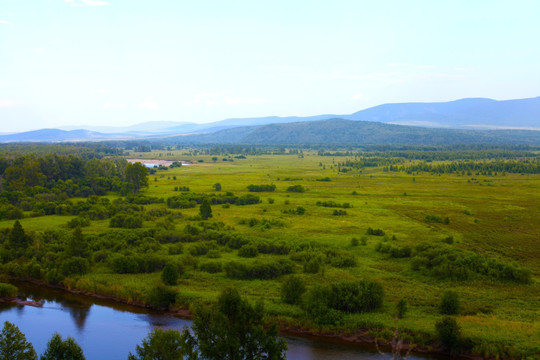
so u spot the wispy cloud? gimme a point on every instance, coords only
(87, 2)
(149, 103)
(5, 22)
(224, 97)
(11, 103)
(108, 106)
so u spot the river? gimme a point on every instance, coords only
(110, 330)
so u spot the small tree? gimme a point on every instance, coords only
(169, 274)
(205, 210)
(13, 344)
(401, 308)
(137, 175)
(449, 333)
(449, 303)
(292, 290)
(62, 349)
(160, 344)
(77, 245)
(217, 186)
(18, 239)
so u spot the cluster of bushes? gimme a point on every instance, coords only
(263, 223)
(261, 188)
(296, 188)
(258, 270)
(375, 232)
(394, 251)
(313, 260)
(339, 212)
(127, 221)
(324, 179)
(437, 219)
(333, 204)
(181, 188)
(188, 200)
(133, 264)
(325, 304)
(448, 263)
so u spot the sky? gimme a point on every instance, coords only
(122, 62)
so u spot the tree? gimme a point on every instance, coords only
(137, 175)
(206, 210)
(169, 274)
(233, 329)
(449, 303)
(77, 245)
(449, 333)
(62, 349)
(18, 240)
(292, 290)
(162, 345)
(217, 186)
(13, 344)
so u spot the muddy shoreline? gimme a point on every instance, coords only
(360, 336)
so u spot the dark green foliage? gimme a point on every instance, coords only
(248, 251)
(313, 265)
(74, 266)
(296, 188)
(126, 221)
(137, 175)
(316, 305)
(449, 240)
(7, 290)
(62, 349)
(133, 264)
(13, 344)
(292, 290)
(434, 219)
(77, 245)
(217, 186)
(160, 345)
(169, 274)
(449, 304)
(356, 296)
(78, 222)
(354, 242)
(340, 258)
(18, 240)
(161, 297)
(261, 188)
(394, 251)
(339, 212)
(449, 333)
(401, 308)
(376, 232)
(205, 210)
(333, 204)
(449, 263)
(324, 179)
(211, 267)
(233, 329)
(258, 270)
(175, 249)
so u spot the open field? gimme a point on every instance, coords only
(494, 216)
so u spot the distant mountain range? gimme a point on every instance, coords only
(471, 113)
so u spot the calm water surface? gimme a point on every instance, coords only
(108, 330)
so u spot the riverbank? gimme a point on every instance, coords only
(362, 337)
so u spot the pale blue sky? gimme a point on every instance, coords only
(121, 62)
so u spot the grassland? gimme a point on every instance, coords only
(494, 216)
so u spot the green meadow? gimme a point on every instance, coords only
(495, 217)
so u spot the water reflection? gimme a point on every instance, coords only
(107, 330)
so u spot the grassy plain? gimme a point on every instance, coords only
(495, 216)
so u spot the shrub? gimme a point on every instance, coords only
(261, 188)
(312, 266)
(354, 242)
(401, 308)
(316, 306)
(339, 212)
(356, 296)
(262, 271)
(376, 232)
(169, 274)
(161, 297)
(449, 333)
(78, 222)
(248, 251)
(175, 249)
(74, 266)
(7, 290)
(292, 290)
(449, 304)
(126, 221)
(211, 267)
(296, 188)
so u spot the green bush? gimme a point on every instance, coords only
(7, 290)
(316, 305)
(449, 333)
(74, 266)
(169, 274)
(258, 270)
(356, 296)
(292, 290)
(401, 308)
(312, 266)
(161, 297)
(248, 251)
(449, 304)
(296, 188)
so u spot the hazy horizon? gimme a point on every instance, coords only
(119, 63)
